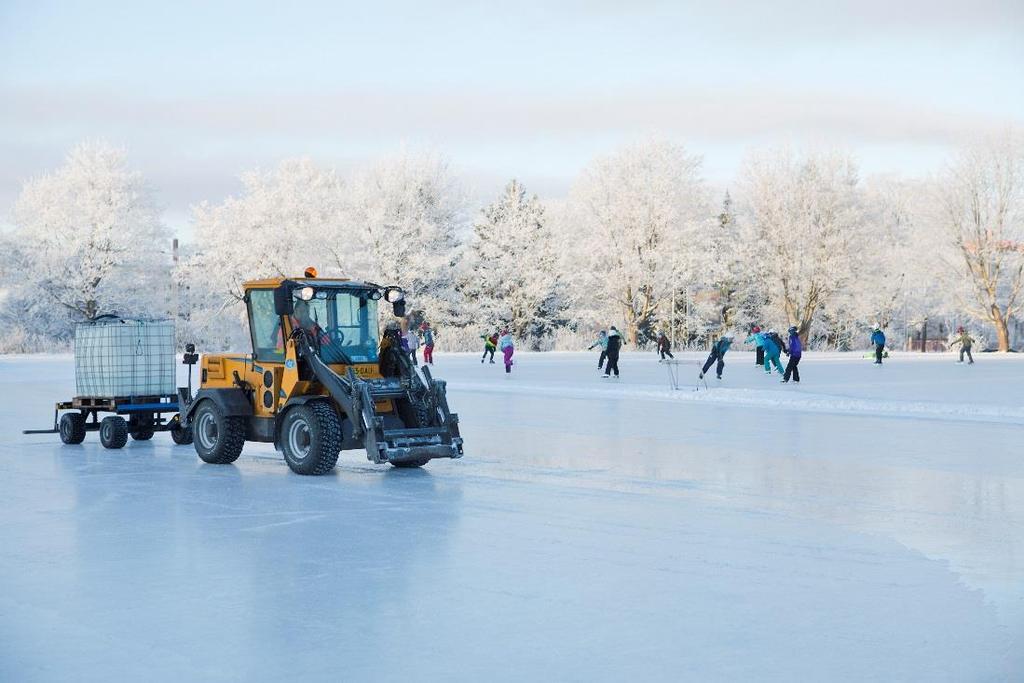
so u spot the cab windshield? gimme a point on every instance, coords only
(344, 323)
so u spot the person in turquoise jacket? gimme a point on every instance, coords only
(602, 341)
(718, 354)
(772, 351)
(757, 340)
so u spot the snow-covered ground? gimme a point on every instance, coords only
(867, 524)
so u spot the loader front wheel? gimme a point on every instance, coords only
(311, 438)
(218, 439)
(72, 428)
(113, 432)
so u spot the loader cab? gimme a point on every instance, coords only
(340, 316)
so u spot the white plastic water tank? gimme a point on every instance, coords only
(117, 358)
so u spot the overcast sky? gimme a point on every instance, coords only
(201, 91)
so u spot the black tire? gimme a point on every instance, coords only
(113, 432)
(311, 438)
(218, 440)
(72, 428)
(411, 463)
(180, 435)
(142, 434)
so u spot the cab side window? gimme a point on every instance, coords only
(267, 335)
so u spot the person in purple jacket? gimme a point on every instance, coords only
(795, 350)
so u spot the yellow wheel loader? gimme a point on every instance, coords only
(320, 379)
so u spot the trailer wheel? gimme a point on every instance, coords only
(142, 434)
(311, 438)
(180, 435)
(218, 439)
(113, 432)
(72, 428)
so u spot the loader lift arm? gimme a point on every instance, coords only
(389, 437)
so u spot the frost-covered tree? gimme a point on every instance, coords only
(981, 201)
(512, 275)
(283, 221)
(804, 223)
(637, 217)
(87, 241)
(406, 216)
(737, 296)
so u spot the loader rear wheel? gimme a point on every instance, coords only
(113, 432)
(218, 439)
(72, 428)
(311, 438)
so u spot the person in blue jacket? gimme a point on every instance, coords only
(794, 351)
(878, 339)
(717, 354)
(772, 351)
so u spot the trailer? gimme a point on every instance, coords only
(125, 384)
(137, 416)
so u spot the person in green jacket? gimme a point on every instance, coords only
(965, 341)
(490, 345)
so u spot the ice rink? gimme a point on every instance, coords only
(867, 524)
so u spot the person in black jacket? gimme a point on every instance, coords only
(664, 346)
(614, 344)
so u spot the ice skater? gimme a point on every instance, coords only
(794, 352)
(772, 350)
(507, 347)
(412, 342)
(878, 339)
(614, 344)
(490, 345)
(602, 341)
(757, 340)
(965, 341)
(717, 354)
(428, 343)
(664, 346)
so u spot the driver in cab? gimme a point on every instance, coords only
(301, 318)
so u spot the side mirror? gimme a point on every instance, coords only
(283, 301)
(396, 297)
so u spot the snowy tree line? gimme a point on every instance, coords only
(641, 241)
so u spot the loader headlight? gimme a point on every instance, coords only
(393, 295)
(305, 293)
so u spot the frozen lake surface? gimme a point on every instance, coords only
(867, 524)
